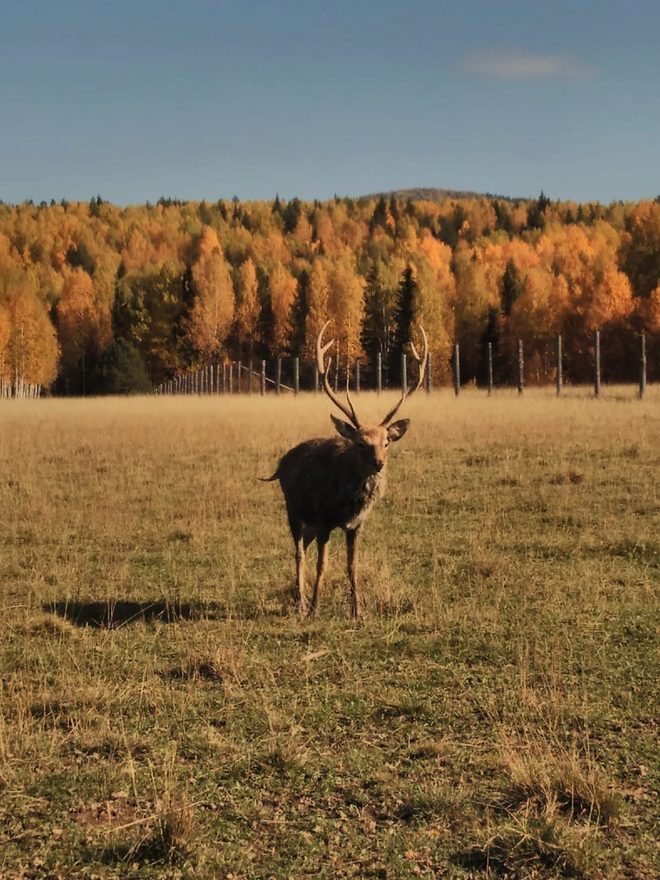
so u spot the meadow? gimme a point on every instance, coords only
(164, 713)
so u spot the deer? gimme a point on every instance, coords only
(334, 482)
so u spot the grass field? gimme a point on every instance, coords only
(163, 712)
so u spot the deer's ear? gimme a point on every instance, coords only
(397, 429)
(343, 428)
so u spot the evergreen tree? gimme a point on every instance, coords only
(403, 321)
(394, 210)
(266, 329)
(536, 213)
(511, 286)
(121, 370)
(379, 216)
(375, 334)
(291, 215)
(503, 218)
(447, 231)
(299, 312)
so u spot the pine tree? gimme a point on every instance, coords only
(403, 321)
(291, 215)
(299, 312)
(379, 216)
(511, 287)
(536, 213)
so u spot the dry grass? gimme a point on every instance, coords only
(163, 713)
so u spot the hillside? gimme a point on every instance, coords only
(438, 194)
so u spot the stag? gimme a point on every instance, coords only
(333, 482)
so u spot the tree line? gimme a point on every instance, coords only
(96, 298)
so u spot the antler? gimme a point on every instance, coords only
(323, 373)
(422, 361)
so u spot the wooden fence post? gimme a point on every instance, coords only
(457, 370)
(404, 373)
(263, 378)
(429, 371)
(239, 367)
(379, 372)
(521, 367)
(249, 388)
(560, 376)
(490, 368)
(357, 377)
(296, 375)
(316, 378)
(597, 363)
(278, 376)
(642, 364)
(231, 377)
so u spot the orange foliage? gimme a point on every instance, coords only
(282, 287)
(213, 311)
(83, 321)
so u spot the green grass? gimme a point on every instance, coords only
(164, 713)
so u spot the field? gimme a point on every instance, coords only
(164, 713)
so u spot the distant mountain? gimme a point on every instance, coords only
(435, 194)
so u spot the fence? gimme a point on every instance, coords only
(236, 377)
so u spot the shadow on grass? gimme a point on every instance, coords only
(114, 613)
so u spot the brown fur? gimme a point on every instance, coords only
(333, 483)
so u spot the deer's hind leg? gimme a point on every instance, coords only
(301, 541)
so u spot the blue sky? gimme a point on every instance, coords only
(199, 99)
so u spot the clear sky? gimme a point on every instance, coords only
(215, 98)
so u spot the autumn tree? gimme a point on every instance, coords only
(31, 350)
(84, 329)
(475, 298)
(213, 311)
(345, 303)
(247, 311)
(380, 303)
(318, 295)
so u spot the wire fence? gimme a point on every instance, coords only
(283, 375)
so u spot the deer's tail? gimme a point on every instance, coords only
(275, 476)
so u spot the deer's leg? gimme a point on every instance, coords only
(321, 566)
(351, 565)
(297, 533)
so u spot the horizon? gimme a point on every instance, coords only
(452, 195)
(212, 101)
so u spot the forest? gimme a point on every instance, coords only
(101, 299)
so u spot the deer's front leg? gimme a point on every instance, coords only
(300, 574)
(321, 566)
(351, 560)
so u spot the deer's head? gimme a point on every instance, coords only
(370, 442)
